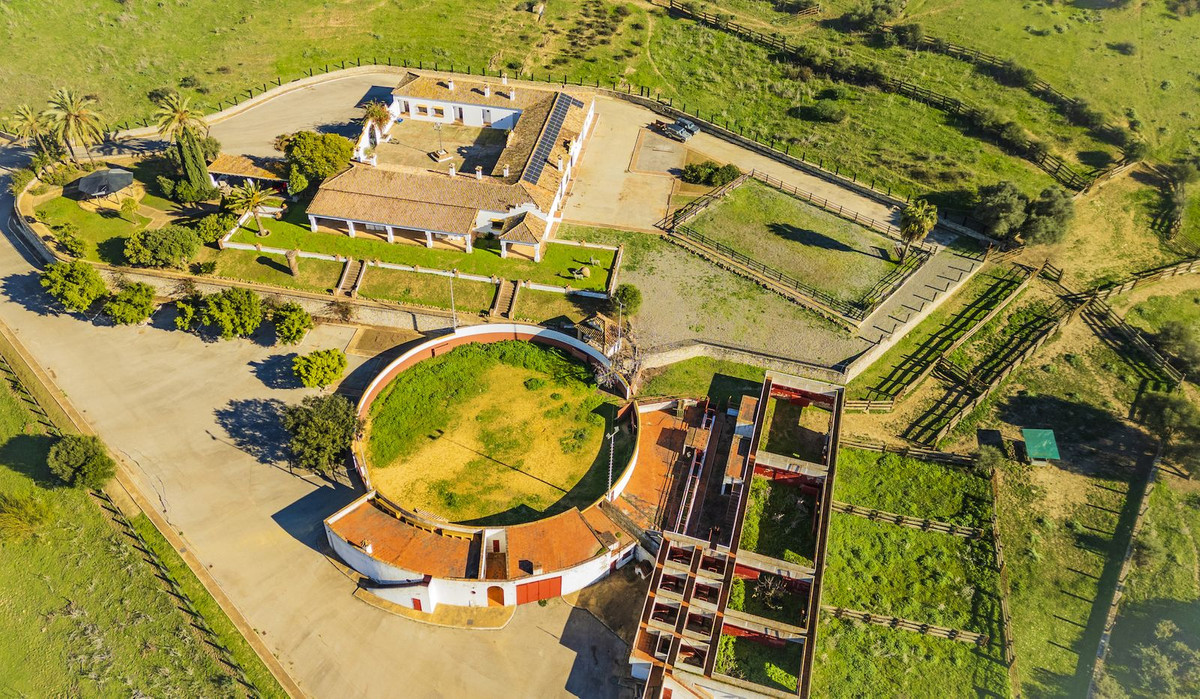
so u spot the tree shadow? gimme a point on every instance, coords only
(303, 519)
(599, 654)
(26, 289)
(255, 426)
(276, 371)
(1138, 624)
(1095, 159)
(811, 238)
(26, 454)
(112, 251)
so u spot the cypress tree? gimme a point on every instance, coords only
(191, 156)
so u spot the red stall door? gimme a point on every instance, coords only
(542, 589)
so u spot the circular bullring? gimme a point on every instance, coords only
(491, 427)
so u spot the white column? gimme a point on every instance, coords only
(312, 223)
(350, 227)
(428, 239)
(537, 253)
(503, 248)
(391, 236)
(469, 248)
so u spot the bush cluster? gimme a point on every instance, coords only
(81, 461)
(230, 313)
(169, 246)
(1007, 213)
(319, 368)
(711, 173)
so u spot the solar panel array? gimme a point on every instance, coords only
(562, 103)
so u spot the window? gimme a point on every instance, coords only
(497, 224)
(439, 112)
(422, 110)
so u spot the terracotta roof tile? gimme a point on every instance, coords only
(242, 166)
(522, 228)
(553, 544)
(404, 545)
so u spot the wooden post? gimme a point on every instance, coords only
(293, 259)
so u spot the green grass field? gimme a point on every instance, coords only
(384, 284)
(103, 236)
(1150, 315)
(776, 668)
(718, 379)
(863, 660)
(924, 576)
(317, 276)
(541, 306)
(824, 251)
(1147, 658)
(83, 615)
(779, 521)
(795, 431)
(912, 487)
(292, 233)
(496, 434)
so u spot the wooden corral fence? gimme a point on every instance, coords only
(837, 209)
(1010, 648)
(896, 622)
(1149, 276)
(888, 405)
(1064, 313)
(693, 208)
(671, 352)
(1053, 165)
(927, 525)
(943, 457)
(1119, 591)
(1134, 336)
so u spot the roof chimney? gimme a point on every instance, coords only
(506, 169)
(450, 84)
(487, 89)
(452, 169)
(479, 172)
(367, 547)
(560, 167)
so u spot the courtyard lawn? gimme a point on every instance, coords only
(795, 431)
(721, 380)
(861, 660)
(1153, 313)
(103, 236)
(470, 297)
(82, 613)
(454, 435)
(777, 668)
(779, 522)
(829, 253)
(908, 486)
(924, 576)
(317, 276)
(292, 233)
(767, 598)
(542, 306)
(1157, 634)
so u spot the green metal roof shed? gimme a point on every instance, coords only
(1040, 445)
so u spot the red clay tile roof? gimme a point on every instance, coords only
(404, 545)
(553, 544)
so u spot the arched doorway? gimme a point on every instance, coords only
(495, 596)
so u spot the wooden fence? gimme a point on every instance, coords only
(693, 208)
(1149, 276)
(944, 457)
(927, 525)
(895, 622)
(1051, 164)
(823, 203)
(1010, 648)
(1010, 366)
(1134, 336)
(890, 404)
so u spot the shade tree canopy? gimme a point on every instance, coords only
(81, 461)
(320, 368)
(75, 284)
(133, 304)
(318, 156)
(322, 429)
(169, 246)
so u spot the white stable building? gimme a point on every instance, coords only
(517, 201)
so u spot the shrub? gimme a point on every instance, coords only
(1014, 74)
(233, 312)
(1127, 48)
(320, 368)
(185, 193)
(1080, 113)
(297, 182)
(22, 516)
(910, 35)
(699, 173)
(133, 304)
(1001, 209)
(81, 461)
(187, 312)
(129, 207)
(169, 246)
(1013, 136)
(213, 227)
(166, 186)
(291, 323)
(68, 240)
(322, 428)
(870, 16)
(827, 111)
(737, 594)
(20, 179)
(533, 383)
(627, 298)
(724, 175)
(1048, 216)
(75, 284)
(317, 156)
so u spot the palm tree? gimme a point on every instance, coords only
(917, 219)
(175, 114)
(72, 118)
(376, 112)
(29, 125)
(249, 198)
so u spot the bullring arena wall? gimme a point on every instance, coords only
(419, 590)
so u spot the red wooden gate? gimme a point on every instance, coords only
(538, 590)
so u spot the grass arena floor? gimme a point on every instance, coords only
(506, 433)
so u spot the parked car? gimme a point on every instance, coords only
(687, 125)
(675, 132)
